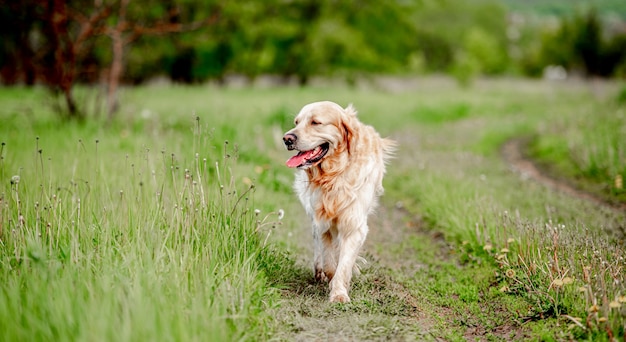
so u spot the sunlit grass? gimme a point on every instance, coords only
(588, 146)
(110, 237)
(177, 220)
(551, 246)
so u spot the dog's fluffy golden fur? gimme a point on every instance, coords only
(341, 163)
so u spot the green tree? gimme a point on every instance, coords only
(588, 43)
(581, 43)
(446, 29)
(68, 32)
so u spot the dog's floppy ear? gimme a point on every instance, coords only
(348, 126)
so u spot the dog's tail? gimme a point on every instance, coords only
(389, 149)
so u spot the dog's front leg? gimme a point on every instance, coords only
(319, 251)
(318, 254)
(350, 242)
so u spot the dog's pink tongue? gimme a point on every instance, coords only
(298, 159)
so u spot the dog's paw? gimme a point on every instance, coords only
(339, 298)
(320, 276)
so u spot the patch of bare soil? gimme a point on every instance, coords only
(513, 154)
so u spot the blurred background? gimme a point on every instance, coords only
(61, 43)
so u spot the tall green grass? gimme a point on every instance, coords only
(127, 234)
(588, 147)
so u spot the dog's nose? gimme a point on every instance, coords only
(290, 139)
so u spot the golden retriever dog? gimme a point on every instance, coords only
(341, 163)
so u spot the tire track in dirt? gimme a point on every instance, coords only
(513, 153)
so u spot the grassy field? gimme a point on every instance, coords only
(177, 221)
(588, 147)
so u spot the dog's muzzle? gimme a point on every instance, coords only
(290, 141)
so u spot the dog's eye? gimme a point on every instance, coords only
(315, 123)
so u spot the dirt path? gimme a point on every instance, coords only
(382, 308)
(513, 153)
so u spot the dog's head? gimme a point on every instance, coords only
(323, 129)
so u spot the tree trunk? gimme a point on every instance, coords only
(62, 74)
(117, 66)
(72, 110)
